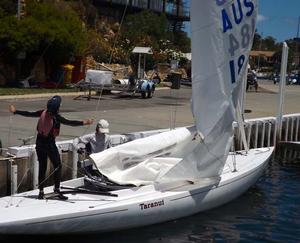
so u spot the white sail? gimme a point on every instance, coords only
(222, 34)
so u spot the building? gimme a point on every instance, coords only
(262, 59)
(177, 11)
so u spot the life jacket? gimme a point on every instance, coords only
(47, 125)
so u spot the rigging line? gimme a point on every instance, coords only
(175, 109)
(71, 168)
(11, 196)
(31, 73)
(171, 111)
(21, 183)
(9, 130)
(100, 96)
(110, 60)
(30, 168)
(40, 58)
(116, 38)
(84, 131)
(24, 177)
(64, 163)
(48, 176)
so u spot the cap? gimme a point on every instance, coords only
(53, 104)
(103, 126)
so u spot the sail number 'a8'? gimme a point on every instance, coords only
(239, 15)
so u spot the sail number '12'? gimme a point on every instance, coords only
(241, 40)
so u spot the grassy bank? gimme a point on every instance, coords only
(23, 91)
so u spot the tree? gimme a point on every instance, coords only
(269, 44)
(53, 30)
(8, 7)
(143, 27)
(257, 41)
(181, 41)
(150, 29)
(293, 52)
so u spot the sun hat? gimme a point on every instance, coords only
(103, 126)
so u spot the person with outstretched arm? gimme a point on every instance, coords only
(48, 128)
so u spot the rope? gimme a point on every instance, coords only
(9, 130)
(115, 42)
(173, 111)
(110, 60)
(96, 110)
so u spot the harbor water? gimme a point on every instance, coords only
(267, 212)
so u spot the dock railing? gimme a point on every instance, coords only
(22, 168)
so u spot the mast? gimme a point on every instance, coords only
(298, 27)
(297, 45)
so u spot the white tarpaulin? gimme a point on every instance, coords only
(99, 77)
(144, 160)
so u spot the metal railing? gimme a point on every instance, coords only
(260, 132)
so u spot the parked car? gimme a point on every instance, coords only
(276, 78)
(293, 79)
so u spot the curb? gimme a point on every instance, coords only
(42, 95)
(48, 95)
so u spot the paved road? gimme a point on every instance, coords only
(265, 102)
(124, 113)
(168, 108)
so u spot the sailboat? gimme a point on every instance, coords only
(172, 174)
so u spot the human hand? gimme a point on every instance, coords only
(88, 122)
(12, 108)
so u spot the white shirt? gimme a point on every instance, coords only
(98, 141)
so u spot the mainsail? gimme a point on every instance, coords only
(222, 35)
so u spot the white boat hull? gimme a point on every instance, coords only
(82, 213)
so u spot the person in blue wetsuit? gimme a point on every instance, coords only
(48, 128)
